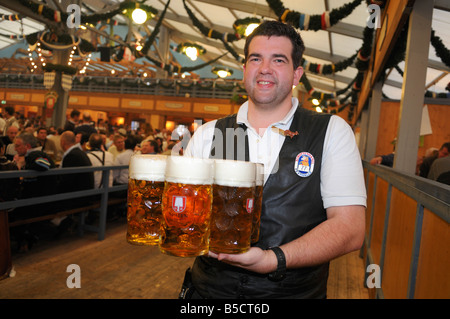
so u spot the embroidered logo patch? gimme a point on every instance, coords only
(304, 164)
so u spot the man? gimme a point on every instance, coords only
(74, 157)
(2, 124)
(118, 145)
(425, 167)
(8, 140)
(27, 147)
(121, 176)
(441, 166)
(99, 157)
(149, 147)
(86, 125)
(10, 120)
(72, 122)
(48, 146)
(82, 139)
(311, 214)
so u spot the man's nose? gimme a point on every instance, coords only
(265, 67)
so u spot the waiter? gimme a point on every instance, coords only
(314, 195)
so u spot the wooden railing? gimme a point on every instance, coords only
(101, 204)
(407, 235)
(104, 191)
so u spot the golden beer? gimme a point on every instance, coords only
(259, 185)
(233, 206)
(145, 189)
(186, 206)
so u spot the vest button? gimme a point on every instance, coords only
(244, 279)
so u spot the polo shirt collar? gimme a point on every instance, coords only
(243, 111)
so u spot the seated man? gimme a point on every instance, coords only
(8, 140)
(27, 147)
(99, 157)
(121, 175)
(74, 157)
(48, 146)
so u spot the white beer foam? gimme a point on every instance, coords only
(259, 180)
(148, 167)
(190, 170)
(234, 173)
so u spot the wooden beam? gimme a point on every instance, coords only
(411, 104)
(393, 20)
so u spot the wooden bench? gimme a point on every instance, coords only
(96, 205)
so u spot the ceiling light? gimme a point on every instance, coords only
(192, 53)
(139, 16)
(221, 72)
(192, 50)
(244, 27)
(250, 28)
(315, 101)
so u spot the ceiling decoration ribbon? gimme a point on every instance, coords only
(312, 22)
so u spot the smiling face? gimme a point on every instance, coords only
(269, 73)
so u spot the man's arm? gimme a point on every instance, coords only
(341, 233)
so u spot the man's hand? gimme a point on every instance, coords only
(255, 259)
(341, 233)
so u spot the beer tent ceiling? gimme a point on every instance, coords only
(336, 44)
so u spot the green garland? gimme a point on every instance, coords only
(58, 16)
(365, 51)
(328, 68)
(312, 22)
(441, 51)
(155, 32)
(210, 33)
(233, 52)
(172, 68)
(361, 64)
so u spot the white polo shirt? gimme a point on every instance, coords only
(342, 180)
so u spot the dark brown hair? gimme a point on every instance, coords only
(279, 29)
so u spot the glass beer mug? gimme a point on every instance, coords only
(259, 184)
(233, 206)
(186, 205)
(145, 188)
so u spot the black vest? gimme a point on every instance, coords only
(292, 206)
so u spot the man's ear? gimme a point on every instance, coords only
(297, 75)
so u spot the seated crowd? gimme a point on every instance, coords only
(434, 165)
(30, 146)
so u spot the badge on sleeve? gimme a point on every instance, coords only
(304, 164)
